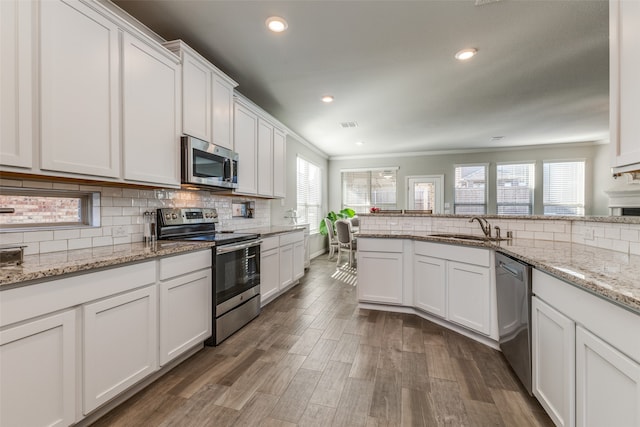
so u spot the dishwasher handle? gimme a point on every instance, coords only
(515, 272)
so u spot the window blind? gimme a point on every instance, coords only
(364, 189)
(515, 183)
(563, 190)
(470, 189)
(309, 194)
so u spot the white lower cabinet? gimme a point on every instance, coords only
(469, 299)
(286, 265)
(38, 372)
(553, 359)
(430, 284)
(298, 259)
(607, 384)
(380, 270)
(120, 344)
(269, 269)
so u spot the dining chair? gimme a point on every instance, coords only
(331, 234)
(355, 224)
(346, 242)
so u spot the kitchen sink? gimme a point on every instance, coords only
(470, 237)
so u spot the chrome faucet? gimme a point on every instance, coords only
(484, 224)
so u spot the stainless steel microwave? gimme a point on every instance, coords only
(208, 165)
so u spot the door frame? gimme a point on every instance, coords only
(438, 182)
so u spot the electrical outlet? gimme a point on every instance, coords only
(120, 231)
(588, 234)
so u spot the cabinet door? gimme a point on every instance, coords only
(245, 140)
(120, 344)
(16, 83)
(222, 112)
(286, 265)
(624, 38)
(79, 90)
(307, 249)
(151, 100)
(279, 163)
(469, 299)
(553, 346)
(607, 384)
(430, 284)
(269, 274)
(298, 260)
(380, 277)
(38, 370)
(186, 314)
(265, 158)
(197, 78)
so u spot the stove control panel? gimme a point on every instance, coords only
(183, 216)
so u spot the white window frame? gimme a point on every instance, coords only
(532, 187)
(584, 188)
(369, 170)
(486, 186)
(313, 224)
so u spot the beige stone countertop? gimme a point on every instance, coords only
(606, 273)
(273, 229)
(50, 265)
(591, 218)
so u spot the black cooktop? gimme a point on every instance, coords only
(195, 224)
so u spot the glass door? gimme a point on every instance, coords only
(425, 193)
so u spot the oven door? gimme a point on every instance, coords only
(237, 272)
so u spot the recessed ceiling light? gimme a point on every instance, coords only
(465, 54)
(276, 24)
(359, 143)
(327, 99)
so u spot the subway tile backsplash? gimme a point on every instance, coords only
(121, 212)
(619, 237)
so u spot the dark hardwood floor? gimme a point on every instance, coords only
(312, 358)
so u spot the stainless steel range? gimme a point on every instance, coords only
(236, 266)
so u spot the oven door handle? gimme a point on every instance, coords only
(232, 248)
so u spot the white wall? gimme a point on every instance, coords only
(279, 208)
(598, 177)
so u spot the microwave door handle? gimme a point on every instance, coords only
(227, 170)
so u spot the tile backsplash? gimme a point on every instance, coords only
(121, 218)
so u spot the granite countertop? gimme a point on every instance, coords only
(608, 274)
(273, 229)
(591, 218)
(50, 265)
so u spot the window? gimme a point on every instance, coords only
(515, 184)
(309, 194)
(363, 189)
(563, 192)
(470, 189)
(47, 208)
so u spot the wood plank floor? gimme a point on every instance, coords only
(312, 358)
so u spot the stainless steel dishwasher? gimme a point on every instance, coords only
(513, 291)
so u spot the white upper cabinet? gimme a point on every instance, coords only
(223, 110)
(279, 163)
(624, 69)
(16, 82)
(265, 158)
(207, 97)
(151, 116)
(246, 139)
(79, 90)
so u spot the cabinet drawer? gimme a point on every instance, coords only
(35, 300)
(288, 238)
(380, 245)
(270, 243)
(182, 264)
(459, 253)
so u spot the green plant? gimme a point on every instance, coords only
(333, 217)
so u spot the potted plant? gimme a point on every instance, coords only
(333, 217)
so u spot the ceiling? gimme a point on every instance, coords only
(541, 75)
